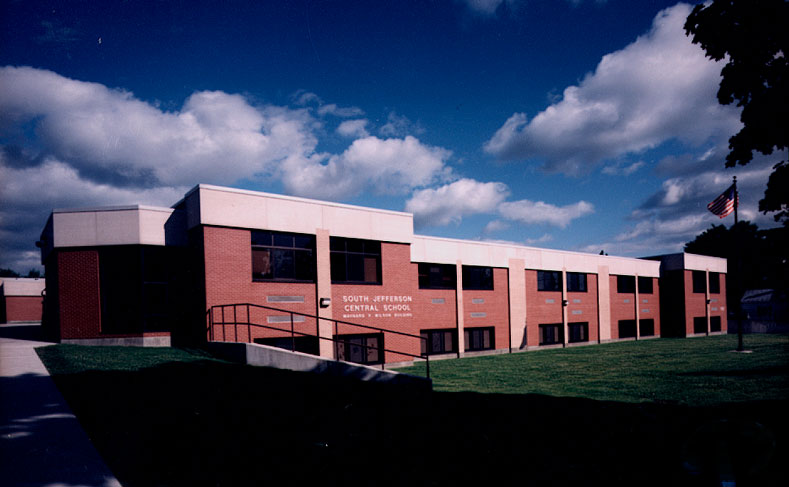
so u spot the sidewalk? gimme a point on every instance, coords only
(41, 441)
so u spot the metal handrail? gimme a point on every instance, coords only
(213, 323)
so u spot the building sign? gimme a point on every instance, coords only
(380, 306)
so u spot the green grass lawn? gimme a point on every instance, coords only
(697, 371)
(171, 417)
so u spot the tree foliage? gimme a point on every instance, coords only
(752, 35)
(757, 259)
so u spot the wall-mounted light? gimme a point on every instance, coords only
(565, 302)
(325, 302)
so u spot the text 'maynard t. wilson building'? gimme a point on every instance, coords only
(298, 269)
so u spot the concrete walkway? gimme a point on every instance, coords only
(41, 441)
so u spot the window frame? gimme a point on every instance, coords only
(716, 289)
(483, 283)
(584, 325)
(467, 339)
(626, 325)
(559, 333)
(345, 342)
(699, 282)
(642, 325)
(643, 280)
(625, 284)
(296, 251)
(698, 321)
(447, 274)
(371, 249)
(577, 275)
(426, 346)
(541, 281)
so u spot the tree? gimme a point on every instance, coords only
(761, 254)
(8, 273)
(753, 36)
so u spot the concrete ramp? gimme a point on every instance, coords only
(267, 356)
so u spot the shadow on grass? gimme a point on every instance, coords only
(782, 370)
(214, 423)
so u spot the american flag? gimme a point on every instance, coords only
(724, 204)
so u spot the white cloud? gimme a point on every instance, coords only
(399, 126)
(677, 212)
(489, 7)
(536, 212)
(627, 170)
(390, 166)
(215, 137)
(451, 202)
(546, 237)
(104, 146)
(658, 88)
(353, 128)
(305, 98)
(494, 226)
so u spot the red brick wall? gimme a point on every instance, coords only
(542, 307)
(651, 302)
(78, 292)
(545, 307)
(399, 278)
(495, 306)
(718, 308)
(587, 307)
(623, 307)
(23, 308)
(695, 303)
(228, 280)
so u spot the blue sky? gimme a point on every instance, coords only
(580, 125)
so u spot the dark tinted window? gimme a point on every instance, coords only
(576, 282)
(355, 261)
(578, 332)
(645, 285)
(437, 276)
(551, 334)
(478, 278)
(715, 283)
(626, 285)
(282, 256)
(550, 281)
(699, 282)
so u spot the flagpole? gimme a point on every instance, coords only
(738, 276)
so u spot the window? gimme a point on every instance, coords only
(283, 256)
(576, 282)
(551, 334)
(478, 339)
(715, 283)
(549, 281)
(438, 341)
(355, 261)
(437, 276)
(578, 332)
(715, 323)
(645, 285)
(699, 282)
(627, 328)
(646, 328)
(700, 324)
(478, 278)
(625, 284)
(361, 349)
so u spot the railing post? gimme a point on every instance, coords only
(427, 366)
(292, 334)
(224, 338)
(249, 325)
(235, 322)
